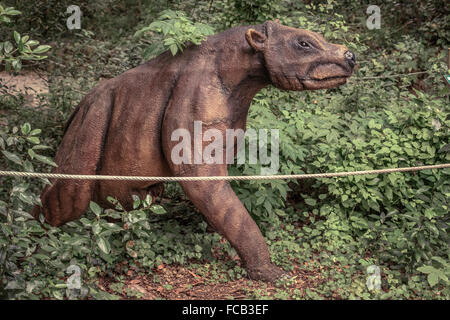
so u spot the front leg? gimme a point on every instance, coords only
(225, 212)
(215, 199)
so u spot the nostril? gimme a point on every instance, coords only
(351, 58)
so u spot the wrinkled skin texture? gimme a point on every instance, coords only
(124, 125)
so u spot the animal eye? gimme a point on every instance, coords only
(304, 44)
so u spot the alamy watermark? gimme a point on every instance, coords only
(74, 21)
(374, 20)
(74, 288)
(373, 281)
(214, 147)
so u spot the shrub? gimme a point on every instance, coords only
(339, 226)
(177, 31)
(12, 55)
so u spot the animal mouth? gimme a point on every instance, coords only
(322, 83)
(324, 76)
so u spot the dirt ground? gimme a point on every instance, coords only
(29, 83)
(181, 283)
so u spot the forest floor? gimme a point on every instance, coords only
(176, 282)
(29, 83)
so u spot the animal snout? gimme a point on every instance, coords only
(351, 58)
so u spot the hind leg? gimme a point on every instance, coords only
(80, 152)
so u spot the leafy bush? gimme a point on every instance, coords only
(399, 221)
(436, 274)
(12, 57)
(406, 213)
(230, 13)
(339, 226)
(177, 31)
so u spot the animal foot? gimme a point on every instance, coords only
(267, 273)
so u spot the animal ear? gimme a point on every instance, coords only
(255, 39)
(277, 21)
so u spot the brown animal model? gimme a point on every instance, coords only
(124, 125)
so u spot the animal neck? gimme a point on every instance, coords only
(240, 69)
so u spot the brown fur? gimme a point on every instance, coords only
(124, 125)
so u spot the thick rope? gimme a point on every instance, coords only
(218, 178)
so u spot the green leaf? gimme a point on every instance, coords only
(104, 245)
(95, 208)
(433, 279)
(33, 140)
(17, 37)
(25, 128)
(17, 65)
(26, 198)
(4, 19)
(310, 201)
(32, 43)
(27, 165)
(152, 50)
(41, 49)
(86, 222)
(156, 208)
(12, 157)
(45, 160)
(41, 147)
(35, 132)
(7, 47)
(174, 49)
(12, 12)
(440, 260)
(96, 228)
(427, 269)
(141, 31)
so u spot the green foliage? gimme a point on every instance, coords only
(6, 12)
(177, 30)
(330, 229)
(400, 220)
(19, 147)
(436, 274)
(230, 13)
(12, 55)
(403, 212)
